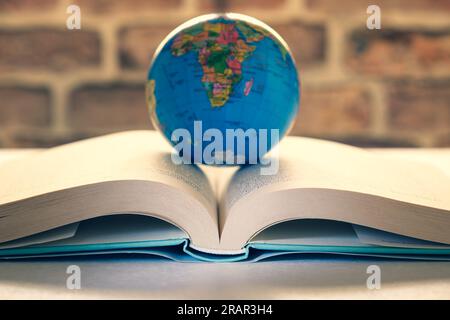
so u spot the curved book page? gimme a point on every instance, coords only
(114, 174)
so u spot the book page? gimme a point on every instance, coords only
(121, 229)
(140, 155)
(438, 158)
(376, 237)
(313, 163)
(118, 173)
(60, 233)
(309, 232)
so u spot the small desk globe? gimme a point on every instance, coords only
(223, 72)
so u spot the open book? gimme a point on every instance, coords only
(122, 193)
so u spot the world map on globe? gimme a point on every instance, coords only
(229, 72)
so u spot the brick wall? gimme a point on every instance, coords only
(388, 87)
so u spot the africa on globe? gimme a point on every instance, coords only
(223, 89)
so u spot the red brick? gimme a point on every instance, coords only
(137, 44)
(333, 111)
(26, 5)
(396, 52)
(307, 42)
(23, 107)
(109, 106)
(128, 6)
(443, 140)
(419, 105)
(344, 7)
(49, 49)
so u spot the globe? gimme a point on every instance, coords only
(223, 89)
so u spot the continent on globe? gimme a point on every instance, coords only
(221, 50)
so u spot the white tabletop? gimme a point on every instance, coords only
(306, 277)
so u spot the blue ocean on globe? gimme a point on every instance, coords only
(223, 72)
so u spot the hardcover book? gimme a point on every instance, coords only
(122, 193)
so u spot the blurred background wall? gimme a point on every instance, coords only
(388, 87)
